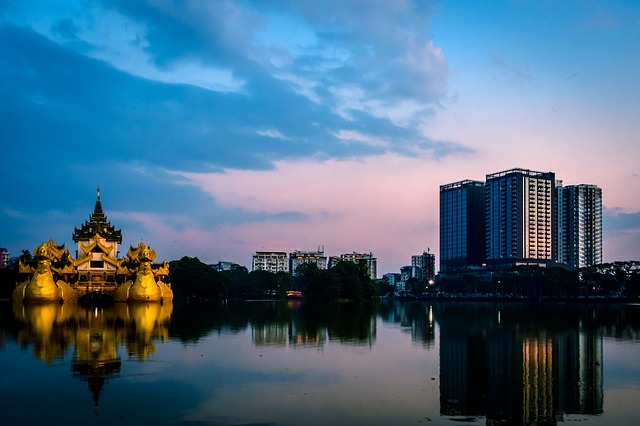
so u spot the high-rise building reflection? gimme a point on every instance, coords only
(521, 375)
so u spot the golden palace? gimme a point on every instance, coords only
(52, 275)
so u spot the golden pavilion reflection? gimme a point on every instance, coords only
(94, 334)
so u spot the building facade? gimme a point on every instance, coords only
(526, 218)
(370, 262)
(224, 266)
(392, 278)
(298, 258)
(4, 258)
(406, 273)
(271, 261)
(520, 218)
(424, 266)
(579, 225)
(462, 226)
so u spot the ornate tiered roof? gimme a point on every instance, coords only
(97, 224)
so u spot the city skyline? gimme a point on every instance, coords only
(218, 129)
(519, 216)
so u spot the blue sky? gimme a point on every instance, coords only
(218, 128)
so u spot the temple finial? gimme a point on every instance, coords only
(98, 192)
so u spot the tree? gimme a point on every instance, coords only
(284, 283)
(414, 286)
(238, 279)
(190, 277)
(311, 281)
(262, 283)
(8, 278)
(384, 288)
(346, 280)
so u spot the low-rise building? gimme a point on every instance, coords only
(368, 259)
(225, 266)
(297, 258)
(271, 261)
(4, 258)
(392, 278)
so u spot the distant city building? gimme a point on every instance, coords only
(520, 225)
(298, 258)
(225, 266)
(392, 278)
(368, 259)
(271, 261)
(406, 272)
(4, 258)
(462, 226)
(332, 261)
(579, 228)
(416, 269)
(424, 266)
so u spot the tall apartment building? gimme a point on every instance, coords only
(271, 261)
(298, 258)
(520, 217)
(579, 230)
(368, 259)
(462, 226)
(558, 241)
(423, 266)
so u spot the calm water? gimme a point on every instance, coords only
(291, 363)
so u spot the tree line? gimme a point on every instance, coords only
(615, 279)
(190, 277)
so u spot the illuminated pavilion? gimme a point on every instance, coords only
(52, 275)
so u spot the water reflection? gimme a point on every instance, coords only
(94, 334)
(507, 363)
(527, 364)
(414, 318)
(516, 363)
(273, 323)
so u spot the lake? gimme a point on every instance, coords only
(296, 363)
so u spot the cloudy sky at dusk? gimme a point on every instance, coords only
(218, 128)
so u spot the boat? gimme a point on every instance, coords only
(293, 294)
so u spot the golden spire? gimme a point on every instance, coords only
(97, 223)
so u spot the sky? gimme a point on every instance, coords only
(216, 129)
